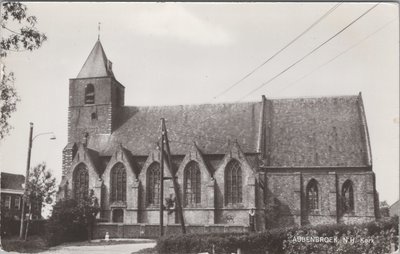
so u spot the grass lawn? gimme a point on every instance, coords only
(32, 245)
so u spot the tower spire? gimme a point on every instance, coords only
(98, 35)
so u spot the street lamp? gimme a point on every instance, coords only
(28, 164)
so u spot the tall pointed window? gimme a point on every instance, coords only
(192, 184)
(233, 183)
(89, 94)
(312, 196)
(118, 183)
(153, 186)
(347, 197)
(81, 182)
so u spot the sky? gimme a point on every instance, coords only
(175, 53)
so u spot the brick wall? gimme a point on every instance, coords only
(288, 190)
(153, 231)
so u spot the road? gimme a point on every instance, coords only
(104, 249)
(100, 249)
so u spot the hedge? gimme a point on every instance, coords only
(10, 227)
(271, 240)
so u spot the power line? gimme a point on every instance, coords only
(301, 59)
(279, 51)
(309, 53)
(340, 54)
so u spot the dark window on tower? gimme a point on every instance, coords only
(118, 183)
(233, 183)
(312, 196)
(89, 94)
(192, 184)
(347, 197)
(153, 186)
(81, 182)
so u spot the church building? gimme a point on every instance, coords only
(294, 161)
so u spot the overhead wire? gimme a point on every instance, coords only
(279, 51)
(340, 54)
(309, 53)
(301, 59)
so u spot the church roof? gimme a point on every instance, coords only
(209, 125)
(299, 132)
(318, 132)
(97, 64)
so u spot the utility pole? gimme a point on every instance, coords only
(175, 184)
(162, 180)
(25, 197)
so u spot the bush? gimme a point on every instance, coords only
(63, 226)
(358, 241)
(10, 227)
(32, 245)
(72, 220)
(275, 240)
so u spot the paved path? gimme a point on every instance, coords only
(127, 248)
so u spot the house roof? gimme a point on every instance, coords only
(12, 181)
(211, 126)
(299, 132)
(97, 64)
(325, 131)
(394, 209)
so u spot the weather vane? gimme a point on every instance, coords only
(98, 35)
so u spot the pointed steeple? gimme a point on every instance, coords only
(97, 64)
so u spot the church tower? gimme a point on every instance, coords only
(95, 97)
(95, 101)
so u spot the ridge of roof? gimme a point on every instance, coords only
(312, 97)
(96, 64)
(194, 104)
(230, 103)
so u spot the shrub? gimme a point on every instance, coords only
(63, 226)
(357, 241)
(72, 220)
(275, 240)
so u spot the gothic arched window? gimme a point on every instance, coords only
(192, 183)
(233, 183)
(347, 197)
(312, 196)
(81, 182)
(118, 183)
(153, 184)
(89, 94)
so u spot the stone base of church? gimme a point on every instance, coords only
(116, 230)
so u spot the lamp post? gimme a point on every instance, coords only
(28, 165)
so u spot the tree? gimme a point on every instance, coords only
(86, 212)
(73, 220)
(41, 190)
(41, 185)
(19, 33)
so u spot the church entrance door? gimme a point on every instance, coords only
(118, 215)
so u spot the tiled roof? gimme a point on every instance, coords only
(12, 181)
(300, 132)
(317, 132)
(97, 64)
(209, 125)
